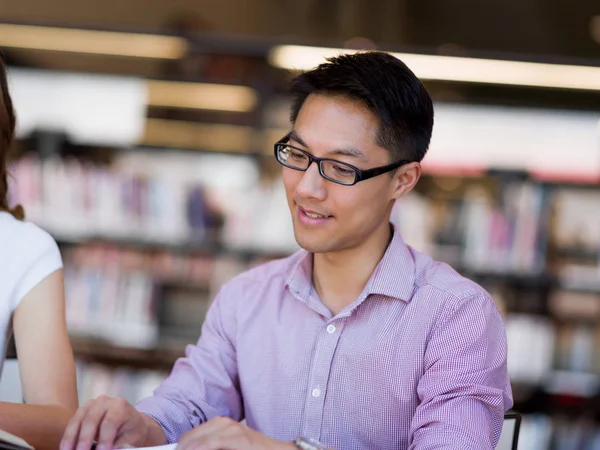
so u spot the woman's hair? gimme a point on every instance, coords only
(7, 134)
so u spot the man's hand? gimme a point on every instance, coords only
(222, 433)
(113, 423)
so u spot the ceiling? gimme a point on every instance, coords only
(549, 30)
(559, 28)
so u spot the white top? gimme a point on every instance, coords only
(28, 254)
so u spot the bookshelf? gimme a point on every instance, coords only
(543, 278)
(150, 231)
(550, 296)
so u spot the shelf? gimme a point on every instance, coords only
(202, 247)
(568, 181)
(535, 281)
(140, 243)
(204, 150)
(578, 253)
(560, 391)
(585, 288)
(101, 351)
(572, 384)
(182, 247)
(213, 248)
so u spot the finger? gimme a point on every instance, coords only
(69, 439)
(211, 426)
(115, 417)
(211, 435)
(233, 441)
(91, 423)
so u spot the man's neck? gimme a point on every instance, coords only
(340, 277)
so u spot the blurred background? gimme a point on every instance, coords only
(145, 132)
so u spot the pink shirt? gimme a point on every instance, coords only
(417, 361)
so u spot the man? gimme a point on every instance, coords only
(355, 342)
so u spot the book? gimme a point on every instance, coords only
(159, 447)
(9, 441)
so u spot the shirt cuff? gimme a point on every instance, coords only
(172, 420)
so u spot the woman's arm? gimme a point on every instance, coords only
(46, 365)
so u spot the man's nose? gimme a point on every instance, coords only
(312, 184)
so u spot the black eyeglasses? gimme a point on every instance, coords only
(330, 169)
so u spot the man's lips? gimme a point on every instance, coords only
(313, 214)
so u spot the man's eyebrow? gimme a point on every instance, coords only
(347, 151)
(294, 137)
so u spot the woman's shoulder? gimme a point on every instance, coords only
(29, 254)
(22, 240)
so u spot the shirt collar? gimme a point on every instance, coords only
(393, 277)
(299, 280)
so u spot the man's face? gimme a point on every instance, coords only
(329, 217)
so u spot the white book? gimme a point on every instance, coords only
(159, 447)
(13, 441)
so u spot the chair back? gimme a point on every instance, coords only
(509, 438)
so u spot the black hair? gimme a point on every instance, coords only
(386, 86)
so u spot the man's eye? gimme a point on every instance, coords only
(341, 170)
(298, 156)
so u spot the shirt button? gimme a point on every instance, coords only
(331, 329)
(316, 392)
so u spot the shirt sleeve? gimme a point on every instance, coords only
(465, 390)
(204, 384)
(41, 257)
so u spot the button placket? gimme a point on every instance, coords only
(326, 344)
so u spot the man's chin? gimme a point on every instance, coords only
(312, 245)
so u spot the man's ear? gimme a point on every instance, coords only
(405, 179)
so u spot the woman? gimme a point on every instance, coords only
(32, 304)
